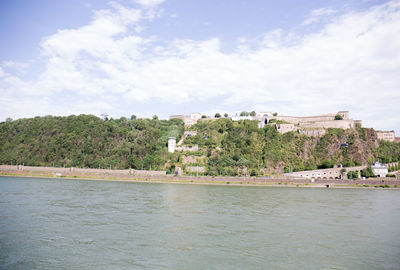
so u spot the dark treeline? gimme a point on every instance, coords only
(87, 141)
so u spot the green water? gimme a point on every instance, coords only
(77, 224)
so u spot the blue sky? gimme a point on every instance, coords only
(163, 57)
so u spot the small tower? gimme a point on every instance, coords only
(171, 144)
(344, 114)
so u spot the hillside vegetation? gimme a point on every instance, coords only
(225, 147)
(232, 148)
(87, 141)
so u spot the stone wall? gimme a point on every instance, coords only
(80, 170)
(191, 159)
(195, 169)
(332, 173)
(284, 128)
(184, 148)
(313, 132)
(298, 119)
(345, 124)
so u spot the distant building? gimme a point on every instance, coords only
(380, 169)
(171, 144)
(386, 135)
(189, 120)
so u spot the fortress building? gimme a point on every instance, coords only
(386, 135)
(189, 120)
(308, 125)
(314, 126)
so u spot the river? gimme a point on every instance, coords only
(82, 224)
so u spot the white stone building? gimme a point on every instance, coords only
(171, 144)
(386, 135)
(380, 169)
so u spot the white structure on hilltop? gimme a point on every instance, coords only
(171, 144)
(380, 169)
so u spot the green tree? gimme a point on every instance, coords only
(225, 115)
(217, 115)
(367, 172)
(338, 117)
(252, 113)
(352, 175)
(244, 113)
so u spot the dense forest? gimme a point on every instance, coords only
(87, 141)
(225, 147)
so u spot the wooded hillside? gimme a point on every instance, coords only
(225, 147)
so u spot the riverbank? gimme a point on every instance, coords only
(120, 175)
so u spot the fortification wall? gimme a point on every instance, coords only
(345, 124)
(284, 128)
(304, 119)
(313, 132)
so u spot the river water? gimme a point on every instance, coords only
(78, 224)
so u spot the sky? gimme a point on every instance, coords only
(165, 57)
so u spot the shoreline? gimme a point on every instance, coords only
(198, 181)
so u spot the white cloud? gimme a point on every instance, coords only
(1, 72)
(351, 63)
(317, 14)
(149, 3)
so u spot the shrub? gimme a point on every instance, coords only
(352, 175)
